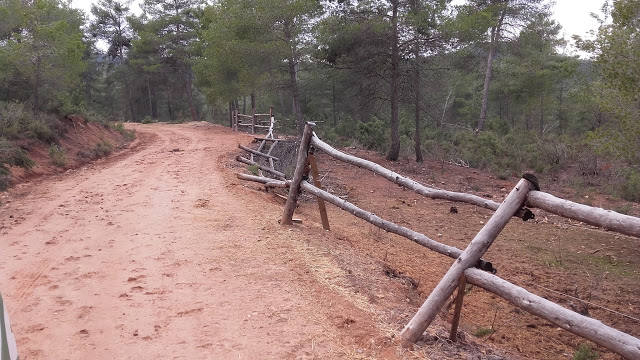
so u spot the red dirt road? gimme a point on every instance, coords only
(152, 254)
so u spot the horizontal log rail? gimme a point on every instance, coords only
(263, 168)
(264, 180)
(257, 126)
(469, 258)
(468, 264)
(245, 116)
(607, 219)
(272, 139)
(258, 153)
(586, 327)
(388, 226)
(409, 183)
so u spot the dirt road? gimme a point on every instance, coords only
(151, 254)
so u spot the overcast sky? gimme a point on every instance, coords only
(573, 15)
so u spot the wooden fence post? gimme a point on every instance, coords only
(253, 121)
(301, 169)
(469, 258)
(235, 119)
(316, 182)
(453, 335)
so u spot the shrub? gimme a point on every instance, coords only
(101, 149)
(57, 155)
(372, 134)
(482, 332)
(253, 169)
(129, 135)
(147, 120)
(11, 155)
(630, 187)
(12, 116)
(585, 352)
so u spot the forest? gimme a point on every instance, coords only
(487, 84)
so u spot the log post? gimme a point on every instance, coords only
(453, 335)
(299, 173)
(235, 119)
(316, 182)
(253, 124)
(469, 258)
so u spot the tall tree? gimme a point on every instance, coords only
(617, 54)
(176, 25)
(493, 18)
(42, 51)
(110, 26)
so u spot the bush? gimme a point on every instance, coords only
(11, 155)
(630, 187)
(129, 135)
(147, 120)
(57, 155)
(40, 130)
(102, 149)
(17, 122)
(585, 352)
(482, 332)
(372, 134)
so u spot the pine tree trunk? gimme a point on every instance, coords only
(149, 97)
(541, 115)
(394, 150)
(493, 47)
(231, 114)
(189, 90)
(418, 134)
(333, 103)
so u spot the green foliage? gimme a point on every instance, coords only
(57, 155)
(585, 352)
(482, 332)
(372, 134)
(147, 120)
(16, 122)
(629, 189)
(253, 169)
(11, 155)
(101, 149)
(128, 135)
(42, 55)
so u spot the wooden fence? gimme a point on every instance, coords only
(264, 122)
(469, 265)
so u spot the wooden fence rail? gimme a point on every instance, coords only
(586, 327)
(409, 183)
(468, 265)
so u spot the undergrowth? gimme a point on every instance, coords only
(585, 352)
(128, 135)
(11, 155)
(57, 155)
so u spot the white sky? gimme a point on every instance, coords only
(573, 15)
